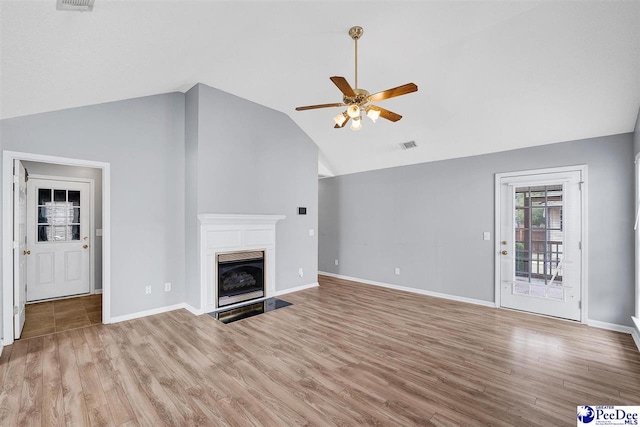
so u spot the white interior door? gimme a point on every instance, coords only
(540, 243)
(58, 238)
(20, 246)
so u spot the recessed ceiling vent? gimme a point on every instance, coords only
(79, 5)
(408, 145)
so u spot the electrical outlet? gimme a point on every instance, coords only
(167, 286)
(335, 262)
(397, 271)
(300, 272)
(147, 290)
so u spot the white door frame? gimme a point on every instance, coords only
(92, 206)
(7, 232)
(583, 231)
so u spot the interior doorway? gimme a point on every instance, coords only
(96, 237)
(540, 220)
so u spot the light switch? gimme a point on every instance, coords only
(486, 235)
(312, 232)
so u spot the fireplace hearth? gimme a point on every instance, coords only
(240, 277)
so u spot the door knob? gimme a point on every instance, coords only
(26, 252)
(85, 246)
(504, 252)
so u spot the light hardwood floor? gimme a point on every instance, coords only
(343, 354)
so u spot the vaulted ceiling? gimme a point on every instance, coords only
(492, 75)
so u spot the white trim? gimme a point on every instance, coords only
(154, 311)
(97, 291)
(145, 313)
(296, 289)
(584, 203)
(7, 225)
(412, 290)
(636, 234)
(92, 215)
(192, 309)
(609, 326)
(635, 331)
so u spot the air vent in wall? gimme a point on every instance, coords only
(80, 5)
(407, 145)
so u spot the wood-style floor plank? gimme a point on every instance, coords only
(52, 396)
(343, 354)
(73, 398)
(12, 380)
(31, 400)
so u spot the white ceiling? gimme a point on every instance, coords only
(493, 75)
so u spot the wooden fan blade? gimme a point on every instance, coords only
(389, 115)
(313, 107)
(343, 85)
(396, 91)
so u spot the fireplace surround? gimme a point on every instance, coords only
(227, 233)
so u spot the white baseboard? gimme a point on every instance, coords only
(412, 290)
(593, 323)
(191, 309)
(296, 289)
(146, 313)
(635, 332)
(609, 326)
(97, 291)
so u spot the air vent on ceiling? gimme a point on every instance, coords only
(408, 145)
(79, 5)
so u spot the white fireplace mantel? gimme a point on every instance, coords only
(234, 232)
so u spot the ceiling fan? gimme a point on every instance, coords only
(357, 100)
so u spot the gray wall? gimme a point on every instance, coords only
(262, 164)
(173, 156)
(143, 140)
(428, 219)
(50, 169)
(636, 135)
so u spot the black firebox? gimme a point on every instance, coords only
(240, 277)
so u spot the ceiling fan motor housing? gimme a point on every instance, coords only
(361, 97)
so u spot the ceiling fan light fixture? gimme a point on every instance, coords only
(353, 111)
(340, 119)
(373, 114)
(357, 100)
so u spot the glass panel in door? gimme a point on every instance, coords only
(539, 238)
(58, 215)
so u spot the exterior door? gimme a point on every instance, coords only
(20, 246)
(58, 238)
(540, 243)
